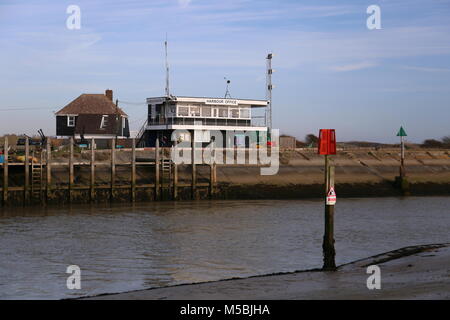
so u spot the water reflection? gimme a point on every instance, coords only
(125, 247)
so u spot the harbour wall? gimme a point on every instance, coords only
(359, 173)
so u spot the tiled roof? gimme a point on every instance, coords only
(91, 104)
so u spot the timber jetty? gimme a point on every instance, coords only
(68, 176)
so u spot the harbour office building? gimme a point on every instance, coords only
(202, 118)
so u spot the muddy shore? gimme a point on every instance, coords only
(418, 272)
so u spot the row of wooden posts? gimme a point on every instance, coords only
(158, 185)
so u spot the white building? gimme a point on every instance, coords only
(200, 117)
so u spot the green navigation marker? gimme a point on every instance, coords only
(401, 132)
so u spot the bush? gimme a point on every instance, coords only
(432, 143)
(311, 140)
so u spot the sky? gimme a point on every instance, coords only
(331, 70)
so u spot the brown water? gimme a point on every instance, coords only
(124, 247)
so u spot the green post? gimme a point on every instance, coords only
(401, 180)
(402, 133)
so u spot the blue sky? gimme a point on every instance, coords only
(330, 70)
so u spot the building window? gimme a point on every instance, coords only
(151, 110)
(184, 136)
(183, 111)
(71, 121)
(104, 122)
(245, 113)
(223, 112)
(234, 113)
(195, 111)
(206, 112)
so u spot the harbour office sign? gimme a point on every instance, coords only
(226, 102)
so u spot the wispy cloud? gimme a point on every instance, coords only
(353, 66)
(121, 46)
(184, 3)
(426, 69)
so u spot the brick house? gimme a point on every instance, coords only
(92, 116)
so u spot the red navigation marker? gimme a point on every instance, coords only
(331, 197)
(327, 141)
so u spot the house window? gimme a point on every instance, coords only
(71, 121)
(124, 122)
(104, 122)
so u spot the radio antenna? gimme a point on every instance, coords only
(227, 91)
(269, 88)
(167, 70)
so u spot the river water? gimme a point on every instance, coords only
(122, 247)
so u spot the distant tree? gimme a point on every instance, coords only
(432, 143)
(311, 140)
(446, 142)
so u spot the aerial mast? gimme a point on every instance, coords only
(227, 91)
(269, 92)
(167, 70)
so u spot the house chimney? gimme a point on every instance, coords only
(109, 94)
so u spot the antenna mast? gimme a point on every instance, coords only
(167, 71)
(227, 92)
(269, 92)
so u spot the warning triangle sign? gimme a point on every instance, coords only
(331, 192)
(331, 197)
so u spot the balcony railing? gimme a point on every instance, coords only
(204, 122)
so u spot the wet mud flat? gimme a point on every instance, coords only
(416, 272)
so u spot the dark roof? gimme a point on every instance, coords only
(91, 104)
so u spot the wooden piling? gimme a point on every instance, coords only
(157, 169)
(329, 251)
(5, 172)
(175, 181)
(133, 170)
(113, 167)
(194, 170)
(215, 176)
(71, 171)
(41, 176)
(170, 182)
(161, 172)
(92, 182)
(26, 187)
(48, 171)
(211, 171)
(402, 158)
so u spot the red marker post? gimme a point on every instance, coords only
(327, 147)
